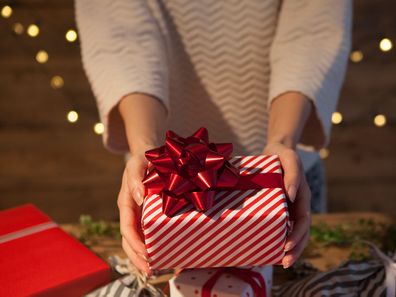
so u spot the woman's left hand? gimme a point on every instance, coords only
(299, 195)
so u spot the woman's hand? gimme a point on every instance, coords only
(288, 115)
(299, 195)
(129, 202)
(144, 117)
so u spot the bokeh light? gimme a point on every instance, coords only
(356, 56)
(6, 11)
(324, 153)
(33, 30)
(71, 35)
(98, 128)
(380, 120)
(57, 82)
(385, 45)
(18, 28)
(336, 118)
(72, 116)
(42, 57)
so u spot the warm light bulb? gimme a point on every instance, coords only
(356, 56)
(98, 128)
(324, 153)
(72, 116)
(42, 57)
(6, 11)
(71, 35)
(18, 28)
(380, 120)
(33, 30)
(336, 118)
(57, 82)
(385, 44)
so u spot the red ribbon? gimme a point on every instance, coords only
(253, 278)
(191, 170)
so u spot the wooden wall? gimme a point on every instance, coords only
(63, 168)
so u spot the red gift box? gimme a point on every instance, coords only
(37, 258)
(205, 209)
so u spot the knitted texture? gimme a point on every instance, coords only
(216, 64)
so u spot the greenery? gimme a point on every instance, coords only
(322, 235)
(354, 235)
(91, 229)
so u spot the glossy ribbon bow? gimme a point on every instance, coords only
(189, 170)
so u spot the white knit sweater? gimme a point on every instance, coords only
(216, 63)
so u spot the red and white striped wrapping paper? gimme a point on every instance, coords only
(243, 228)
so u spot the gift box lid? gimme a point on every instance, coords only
(38, 258)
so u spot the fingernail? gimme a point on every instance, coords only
(286, 264)
(137, 194)
(288, 246)
(148, 272)
(291, 192)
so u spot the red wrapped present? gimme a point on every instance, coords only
(205, 209)
(37, 258)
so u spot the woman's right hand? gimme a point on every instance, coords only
(130, 200)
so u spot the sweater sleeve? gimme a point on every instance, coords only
(309, 55)
(123, 52)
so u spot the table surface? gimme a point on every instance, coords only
(324, 258)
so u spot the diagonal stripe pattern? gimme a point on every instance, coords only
(243, 228)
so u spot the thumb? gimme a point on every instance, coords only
(292, 173)
(136, 169)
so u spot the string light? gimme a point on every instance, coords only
(42, 57)
(72, 116)
(324, 153)
(71, 35)
(356, 56)
(57, 82)
(98, 128)
(336, 118)
(6, 11)
(380, 120)
(385, 45)
(18, 28)
(33, 30)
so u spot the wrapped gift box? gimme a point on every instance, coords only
(39, 259)
(246, 225)
(222, 283)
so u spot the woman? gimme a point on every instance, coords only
(263, 74)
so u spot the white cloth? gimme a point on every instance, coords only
(217, 64)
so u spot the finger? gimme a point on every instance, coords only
(130, 226)
(140, 264)
(135, 171)
(292, 169)
(299, 229)
(291, 256)
(301, 215)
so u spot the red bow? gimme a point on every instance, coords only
(189, 170)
